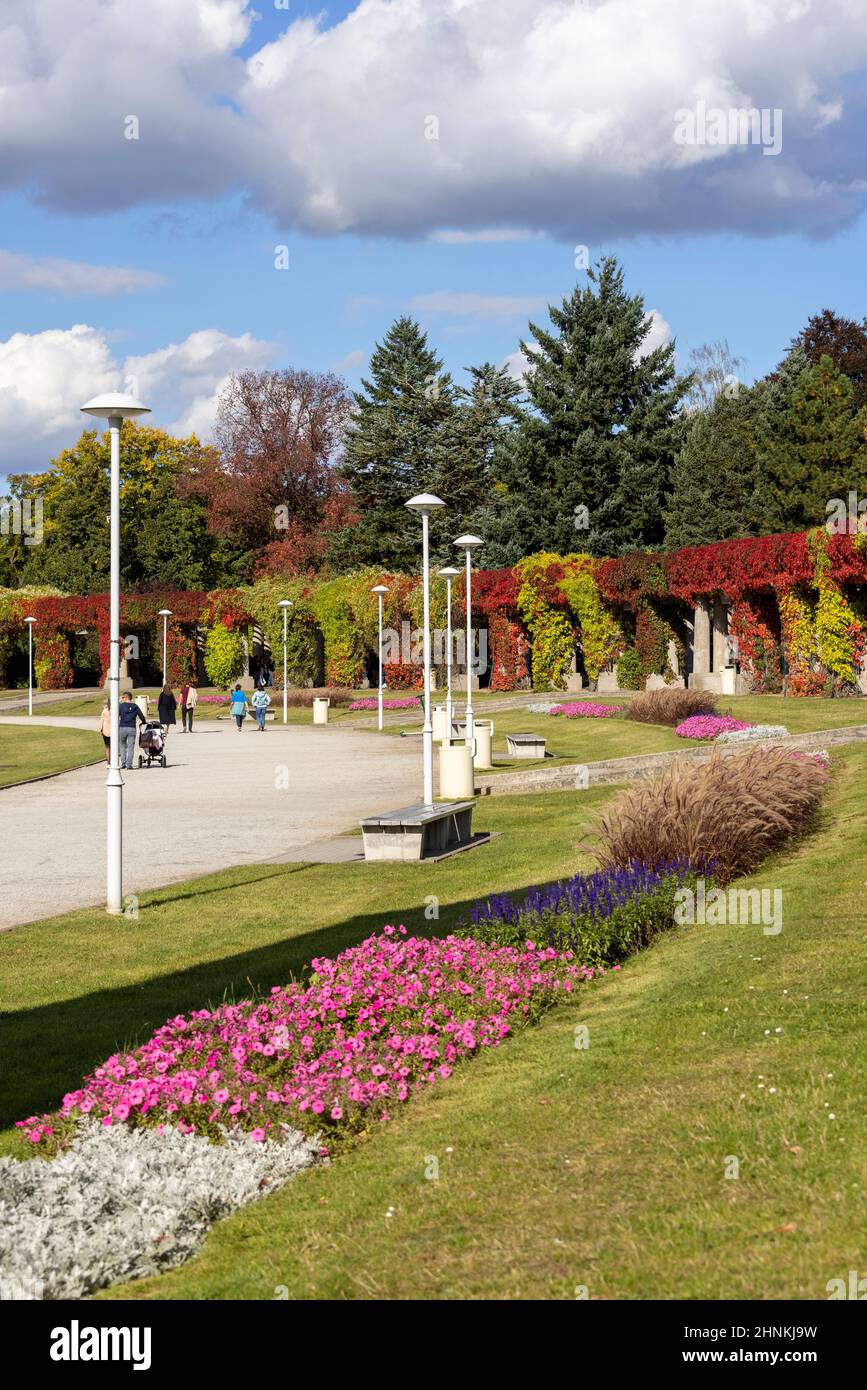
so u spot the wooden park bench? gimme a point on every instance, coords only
(419, 832)
(525, 745)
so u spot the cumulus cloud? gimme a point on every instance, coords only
(46, 377)
(71, 277)
(517, 364)
(659, 332)
(407, 117)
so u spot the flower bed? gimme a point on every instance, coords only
(709, 726)
(752, 732)
(599, 917)
(382, 1020)
(585, 709)
(412, 703)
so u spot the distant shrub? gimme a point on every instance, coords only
(731, 812)
(630, 673)
(224, 656)
(671, 706)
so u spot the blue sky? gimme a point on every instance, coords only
(304, 131)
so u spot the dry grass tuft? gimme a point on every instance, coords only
(731, 811)
(671, 706)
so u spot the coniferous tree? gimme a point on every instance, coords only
(590, 465)
(716, 490)
(810, 440)
(393, 449)
(486, 410)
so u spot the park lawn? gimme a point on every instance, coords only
(38, 752)
(602, 1169)
(92, 705)
(76, 987)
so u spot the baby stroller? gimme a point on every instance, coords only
(152, 742)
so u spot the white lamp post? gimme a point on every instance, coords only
(469, 544)
(426, 503)
(379, 590)
(115, 408)
(165, 614)
(448, 574)
(285, 604)
(30, 622)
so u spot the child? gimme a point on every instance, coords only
(238, 707)
(105, 728)
(261, 701)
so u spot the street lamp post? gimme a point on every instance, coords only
(469, 544)
(165, 614)
(448, 574)
(425, 503)
(285, 604)
(115, 408)
(30, 622)
(379, 590)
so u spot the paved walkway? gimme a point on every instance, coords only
(224, 799)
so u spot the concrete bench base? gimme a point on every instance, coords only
(418, 832)
(525, 745)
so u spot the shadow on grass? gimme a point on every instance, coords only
(47, 1051)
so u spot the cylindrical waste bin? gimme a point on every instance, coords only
(483, 730)
(320, 710)
(456, 772)
(143, 702)
(441, 729)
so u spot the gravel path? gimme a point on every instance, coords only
(225, 799)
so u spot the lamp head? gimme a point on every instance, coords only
(285, 603)
(424, 502)
(165, 613)
(449, 572)
(115, 404)
(468, 542)
(379, 589)
(30, 620)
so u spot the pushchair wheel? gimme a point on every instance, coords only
(163, 760)
(140, 760)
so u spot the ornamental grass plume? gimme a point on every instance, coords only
(671, 706)
(732, 811)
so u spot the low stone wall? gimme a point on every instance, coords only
(609, 771)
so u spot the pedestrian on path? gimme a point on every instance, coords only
(105, 728)
(189, 700)
(238, 707)
(129, 717)
(261, 701)
(166, 706)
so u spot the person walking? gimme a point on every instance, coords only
(238, 707)
(261, 701)
(105, 728)
(189, 700)
(128, 718)
(166, 706)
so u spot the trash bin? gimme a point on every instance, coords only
(456, 772)
(441, 729)
(483, 730)
(320, 710)
(143, 703)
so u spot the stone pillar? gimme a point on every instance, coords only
(701, 647)
(720, 633)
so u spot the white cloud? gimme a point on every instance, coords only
(659, 332)
(46, 377)
(552, 116)
(517, 364)
(480, 306)
(352, 361)
(72, 277)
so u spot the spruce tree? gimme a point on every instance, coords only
(486, 410)
(393, 449)
(810, 440)
(591, 463)
(716, 490)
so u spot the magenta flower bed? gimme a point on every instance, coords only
(366, 703)
(585, 709)
(382, 1020)
(213, 700)
(709, 726)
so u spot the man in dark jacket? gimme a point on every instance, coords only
(128, 717)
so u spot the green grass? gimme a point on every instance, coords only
(78, 986)
(604, 1168)
(26, 753)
